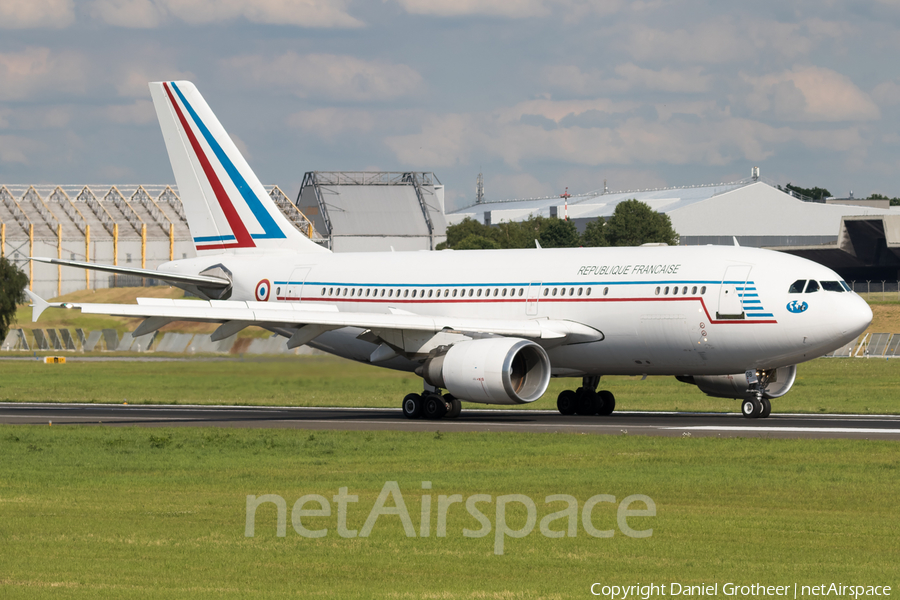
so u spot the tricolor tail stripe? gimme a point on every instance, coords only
(242, 236)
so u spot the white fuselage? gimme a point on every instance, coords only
(688, 310)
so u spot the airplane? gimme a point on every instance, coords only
(483, 326)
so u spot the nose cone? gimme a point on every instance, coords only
(855, 316)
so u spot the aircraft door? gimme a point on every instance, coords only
(733, 283)
(531, 300)
(295, 284)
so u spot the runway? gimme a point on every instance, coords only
(881, 427)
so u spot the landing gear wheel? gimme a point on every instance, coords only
(412, 406)
(767, 408)
(565, 402)
(455, 406)
(435, 408)
(585, 402)
(751, 408)
(607, 403)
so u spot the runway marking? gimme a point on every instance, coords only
(783, 429)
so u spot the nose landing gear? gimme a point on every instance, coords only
(758, 406)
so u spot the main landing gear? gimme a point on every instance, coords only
(431, 405)
(757, 406)
(586, 400)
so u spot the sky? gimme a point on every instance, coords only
(538, 95)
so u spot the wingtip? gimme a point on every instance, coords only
(38, 305)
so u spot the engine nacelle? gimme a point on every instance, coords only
(491, 371)
(736, 386)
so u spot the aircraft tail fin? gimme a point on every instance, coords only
(226, 206)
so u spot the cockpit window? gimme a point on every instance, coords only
(845, 286)
(812, 286)
(832, 286)
(797, 287)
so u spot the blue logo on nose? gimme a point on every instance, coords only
(797, 306)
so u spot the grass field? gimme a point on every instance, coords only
(88, 512)
(825, 385)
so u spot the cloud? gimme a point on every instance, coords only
(14, 149)
(887, 93)
(34, 14)
(510, 9)
(140, 112)
(133, 83)
(717, 139)
(151, 13)
(717, 41)
(329, 75)
(809, 94)
(128, 13)
(41, 72)
(571, 79)
(329, 123)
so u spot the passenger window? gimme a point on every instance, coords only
(605, 291)
(657, 291)
(521, 291)
(812, 286)
(675, 291)
(703, 290)
(588, 292)
(832, 286)
(546, 291)
(797, 287)
(470, 293)
(694, 291)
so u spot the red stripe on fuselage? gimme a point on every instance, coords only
(234, 220)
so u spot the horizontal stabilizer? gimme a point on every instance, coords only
(173, 278)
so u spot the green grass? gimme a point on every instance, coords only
(89, 512)
(866, 386)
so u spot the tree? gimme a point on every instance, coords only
(634, 223)
(815, 193)
(557, 233)
(12, 293)
(594, 236)
(476, 242)
(470, 228)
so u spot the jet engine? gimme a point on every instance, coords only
(737, 386)
(490, 371)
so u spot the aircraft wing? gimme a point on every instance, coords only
(308, 320)
(177, 279)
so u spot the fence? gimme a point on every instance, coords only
(877, 289)
(108, 340)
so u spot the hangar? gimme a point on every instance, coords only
(375, 211)
(859, 239)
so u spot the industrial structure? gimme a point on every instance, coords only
(139, 225)
(375, 211)
(859, 239)
(144, 225)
